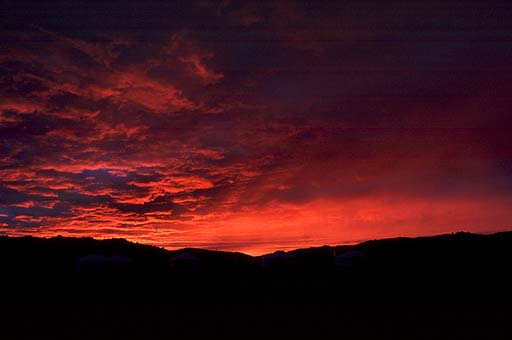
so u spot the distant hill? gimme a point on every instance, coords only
(460, 266)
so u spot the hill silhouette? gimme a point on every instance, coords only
(451, 267)
(454, 286)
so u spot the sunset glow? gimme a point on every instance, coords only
(254, 126)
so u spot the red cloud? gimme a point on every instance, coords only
(138, 88)
(198, 68)
(237, 138)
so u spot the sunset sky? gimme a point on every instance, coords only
(255, 126)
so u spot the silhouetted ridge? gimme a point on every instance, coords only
(455, 266)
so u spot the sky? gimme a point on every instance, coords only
(255, 126)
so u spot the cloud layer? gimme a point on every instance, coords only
(254, 126)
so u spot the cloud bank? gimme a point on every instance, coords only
(254, 127)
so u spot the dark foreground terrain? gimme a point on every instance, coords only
(454, 286)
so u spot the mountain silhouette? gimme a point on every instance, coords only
(450, 267)
(454, 286)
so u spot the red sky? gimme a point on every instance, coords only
(254, 126)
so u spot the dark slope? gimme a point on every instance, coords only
(87, 256)
(455, 267)
(445, 287)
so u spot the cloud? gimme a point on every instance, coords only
(198, 68)
(253, 127)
